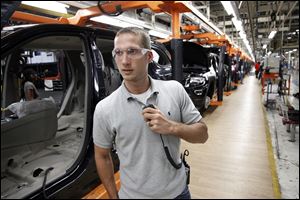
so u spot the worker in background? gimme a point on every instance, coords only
(257, 65)
(28, 93)
(139, 133)
(260, 71)
(235, 72)
(241, 70)
(28, 89)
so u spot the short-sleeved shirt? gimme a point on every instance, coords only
(145, 171)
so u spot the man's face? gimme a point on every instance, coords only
(131, 69)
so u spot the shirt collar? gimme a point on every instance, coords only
(153, 84)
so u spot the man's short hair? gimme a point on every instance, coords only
(142, 34)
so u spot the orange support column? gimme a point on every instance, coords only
(175, 24)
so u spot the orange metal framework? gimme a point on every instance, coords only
(174, 8)
(211, 38)
(266, 76)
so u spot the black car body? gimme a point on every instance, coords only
(199, 73)
(47, 149)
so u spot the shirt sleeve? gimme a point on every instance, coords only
(189, 113)
(102, 134)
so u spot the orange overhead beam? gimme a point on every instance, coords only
(190, 27)
(219, 40)
(27, 17)
(83, 15)
(206, 36)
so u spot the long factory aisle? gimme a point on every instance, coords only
(237, 159)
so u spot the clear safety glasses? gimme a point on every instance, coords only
(132, 53)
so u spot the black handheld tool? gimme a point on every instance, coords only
(149, 106)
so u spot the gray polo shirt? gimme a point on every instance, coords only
(145, 171)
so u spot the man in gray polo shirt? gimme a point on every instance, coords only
(145, 171)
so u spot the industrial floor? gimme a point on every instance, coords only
(240, 158)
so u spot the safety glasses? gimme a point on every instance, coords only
(132, 53)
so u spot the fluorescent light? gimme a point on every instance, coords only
(207, 25)
(289, 38)
(272, 34)
(159, 34)
(48, 5)
(238, 24)
(228, 7)
(113, 21)
(294, 49)
(240, 4)
(122, 21)
(265, 46)
(243, 35)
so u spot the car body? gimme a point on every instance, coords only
(47, 150)
(199, 73)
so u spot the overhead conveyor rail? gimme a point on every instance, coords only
(174, 8)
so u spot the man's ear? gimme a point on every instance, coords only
(150, 56)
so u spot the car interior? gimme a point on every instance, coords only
(46, 134)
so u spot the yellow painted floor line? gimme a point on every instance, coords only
(275, 181)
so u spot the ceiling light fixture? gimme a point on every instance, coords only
(48, 5)
(114, 21)
(240, 4)
(272, 34)
(159, 34)
(122, 21)
(228, 7)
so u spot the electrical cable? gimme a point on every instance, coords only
(44, 182)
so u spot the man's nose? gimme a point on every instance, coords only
(125, 59)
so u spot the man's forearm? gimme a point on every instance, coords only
(194, 133)
(106, 173)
